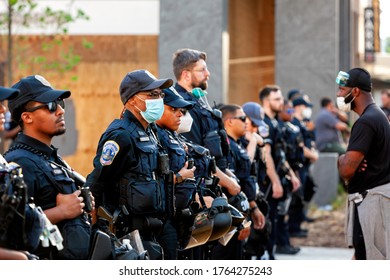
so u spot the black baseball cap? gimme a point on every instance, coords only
(8, 93)
(301, 101)
(140, 80)
(359, 77)
(174, 99)
(294, 93)
(33, 88)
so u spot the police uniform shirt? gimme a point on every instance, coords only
(121, 151)
(240, 164)
(260, 169)
(294, 143)
(175, 149)
(203, 121)
(306, 134)
(200, 155)
(39, 185)
(274, 135)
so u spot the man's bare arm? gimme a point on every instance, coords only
(349, 163)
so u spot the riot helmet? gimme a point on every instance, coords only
(219, 212)
(195, 229)
(240, 202)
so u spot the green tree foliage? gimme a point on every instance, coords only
(47, 51)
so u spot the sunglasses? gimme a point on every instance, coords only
(241, 118)
(51, 106)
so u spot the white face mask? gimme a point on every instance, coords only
(306, 113)
(345, 107)
(185, 123)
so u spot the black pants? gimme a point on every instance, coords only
(358, 240)
(168, 240)
(232, 251)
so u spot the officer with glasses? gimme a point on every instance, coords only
(192, 74)
(130, 163)
(39, 109)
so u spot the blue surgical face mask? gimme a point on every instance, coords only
(198, 93)
(154, 109)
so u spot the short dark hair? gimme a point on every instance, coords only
(184, 59)
(265, 91)
(325, 102)
(230, 109)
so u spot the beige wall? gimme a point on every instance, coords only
(251, 62)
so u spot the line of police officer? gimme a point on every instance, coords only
(143, 178)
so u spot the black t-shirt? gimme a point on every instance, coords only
(370, 135)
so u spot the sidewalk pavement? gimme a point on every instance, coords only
(318, 253)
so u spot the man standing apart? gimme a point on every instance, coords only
(365, 167)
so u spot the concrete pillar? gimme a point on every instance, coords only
(326, 176)
(307, 45)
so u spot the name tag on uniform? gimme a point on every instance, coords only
(173, 141)
(57, 171)
(144, 139)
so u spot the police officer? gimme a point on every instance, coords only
(302, 114)
(294, 144)
(192, 74)
(129, 165)
(256, 127)
(277, 168)
(183, 180)
(5, 252)
(240, 163)
(39, 109)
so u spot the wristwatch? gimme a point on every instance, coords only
(179, 178)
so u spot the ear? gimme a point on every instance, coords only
(26, 117)
(227, 123)
(186, 75)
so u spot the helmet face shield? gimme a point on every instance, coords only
(201, 230)
(205, 224)
(342, 78)
(237, 216)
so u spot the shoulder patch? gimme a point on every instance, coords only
(264, 131)
(110, 150)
